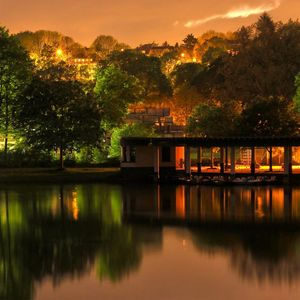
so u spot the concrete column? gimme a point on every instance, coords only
(211, 157)
(271, 159)
(232, 160)
(199, 160)
(253, 160)
(222, 161)
(287, 160)
(127, 158)
(226, 158)
(187, 158)
(157, 162)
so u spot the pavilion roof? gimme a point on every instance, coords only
(212, 142)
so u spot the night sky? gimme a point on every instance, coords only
(139, 21)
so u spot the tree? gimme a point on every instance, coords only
(213, 120)
(185, 74)
(147, 69)
(103, 45)
(190, 42)
(186, 96)
(135, 130)
(34, 42)
(169, 61)
(114, 91)
(15, 74)
(260, 66)
(264, 60)
(59, 115)
(269, 117)
(185, 99)
(297, 95)
(49, 66)
(212, 44)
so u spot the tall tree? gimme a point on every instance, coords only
(59, 115)
(186, 96)
(34, 42)
(189, 42)
(147, 69)
(269, 117)
(114, 91)
(15, 74)
(264, 61)
(103, 45)
(261, 66)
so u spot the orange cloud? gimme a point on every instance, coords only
(241, 12)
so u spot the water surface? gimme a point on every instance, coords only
(98, 241)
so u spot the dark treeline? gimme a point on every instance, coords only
(62, 101)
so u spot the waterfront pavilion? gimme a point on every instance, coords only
(187, 155)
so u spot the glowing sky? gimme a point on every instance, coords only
(139, 21)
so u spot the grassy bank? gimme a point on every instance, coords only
(71, 175)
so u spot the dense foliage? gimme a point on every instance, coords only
(58, 95)
(257, 76)
(59, 115)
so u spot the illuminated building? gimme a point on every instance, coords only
(181, 155)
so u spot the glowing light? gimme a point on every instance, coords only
(75, 209)
(182, 55)
(59, 52)
(241, 12)
(194, 59)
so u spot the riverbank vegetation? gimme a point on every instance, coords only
(65, 104)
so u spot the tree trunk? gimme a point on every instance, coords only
(5, 147)
(61, 158)
(6, 132)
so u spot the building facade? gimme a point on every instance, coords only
(170, 156)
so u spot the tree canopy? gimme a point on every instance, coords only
(257, 74)
(59, 115)
(147, 69)
(114, 91)
(15, 74)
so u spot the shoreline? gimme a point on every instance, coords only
(109, 175)
(52, 175)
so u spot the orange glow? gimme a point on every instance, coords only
(179, 158)
(278, 203)
(180, 202)
(59, 52)
(75, 209)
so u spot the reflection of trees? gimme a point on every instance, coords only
(63, 231)
(256, 254)
(118, 256)
(14, 284)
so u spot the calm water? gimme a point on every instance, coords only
(147, 242)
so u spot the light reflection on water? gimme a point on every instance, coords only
(149, 242)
